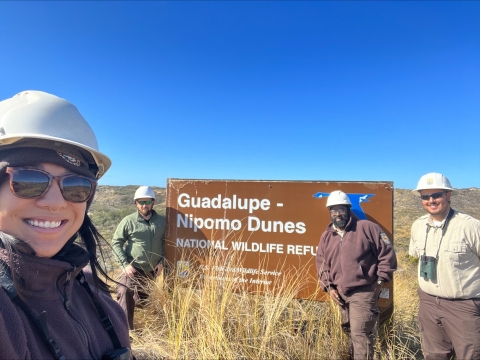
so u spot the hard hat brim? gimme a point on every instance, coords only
(417, 190)
(102, 161)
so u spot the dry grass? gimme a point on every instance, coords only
(185, 320)
(401, 338)
(199, 318)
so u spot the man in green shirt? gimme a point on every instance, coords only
(139, 247)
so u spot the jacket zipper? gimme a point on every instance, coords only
(341, 243)
(68, 304)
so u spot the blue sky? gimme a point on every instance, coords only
(271, 90)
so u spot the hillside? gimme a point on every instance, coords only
(112, 203)
(119, 197)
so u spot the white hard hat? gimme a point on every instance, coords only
(39, 115)
(433, 181)
(144, 192)
(338, 197)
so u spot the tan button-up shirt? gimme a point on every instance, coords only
(458, 259)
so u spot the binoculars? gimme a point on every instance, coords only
(428, 268)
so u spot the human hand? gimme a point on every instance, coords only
(129, 270)
(158, 269)
(336, 297)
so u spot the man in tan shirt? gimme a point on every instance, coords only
(448, 245)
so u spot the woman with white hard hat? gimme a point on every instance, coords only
(49, 167)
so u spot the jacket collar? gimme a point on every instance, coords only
(41, 278)
(140, 217)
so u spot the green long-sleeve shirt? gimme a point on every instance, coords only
(140, 242)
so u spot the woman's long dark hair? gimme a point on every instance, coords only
(93, 242)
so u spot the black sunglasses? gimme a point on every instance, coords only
(434, 196)
(32, 183)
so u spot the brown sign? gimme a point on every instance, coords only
(263, 235)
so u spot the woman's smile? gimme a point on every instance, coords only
(44, 224)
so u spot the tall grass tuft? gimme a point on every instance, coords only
(201, 317)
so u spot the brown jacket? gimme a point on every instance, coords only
(77, 331)
(360, 258)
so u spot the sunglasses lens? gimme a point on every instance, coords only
(433, 196)
(76, 188)
(29, 183)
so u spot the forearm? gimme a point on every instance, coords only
(118, 252)
(387, 258)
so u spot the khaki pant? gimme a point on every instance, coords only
(359, 315)
(131, 292)
(449, 327)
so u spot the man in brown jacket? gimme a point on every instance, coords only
(354, 259)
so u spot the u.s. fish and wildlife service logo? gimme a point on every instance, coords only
(355, 199)
(183, 268)
(68, 158)
(385, 238)
(430, 181)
